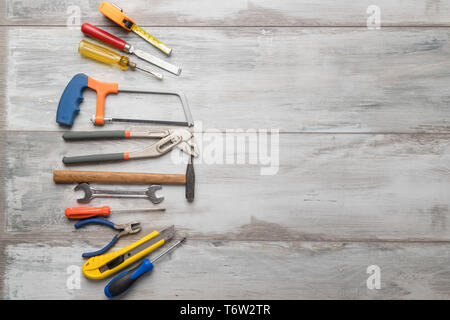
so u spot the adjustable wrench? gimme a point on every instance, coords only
(91, 193)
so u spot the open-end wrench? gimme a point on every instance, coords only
(91, 193)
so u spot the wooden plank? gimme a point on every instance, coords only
(231, 13)
(240, 270)
(3, 142)
(328, 80)
(328, 187)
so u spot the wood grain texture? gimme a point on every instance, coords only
(247, 270)
(231, 12)
(363, 174)
(328, 187)
(3, 174)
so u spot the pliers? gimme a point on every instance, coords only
(128, 228)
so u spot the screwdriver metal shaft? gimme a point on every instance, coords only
(138, 210)
(133, 66)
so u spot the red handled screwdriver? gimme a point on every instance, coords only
(88, 212)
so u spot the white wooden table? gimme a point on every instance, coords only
(364, 148)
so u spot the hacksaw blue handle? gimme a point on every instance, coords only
(72, 96)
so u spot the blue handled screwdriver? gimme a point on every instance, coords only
(126, 279)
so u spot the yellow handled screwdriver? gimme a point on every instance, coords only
(109, 56)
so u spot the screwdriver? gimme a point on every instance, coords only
(126, 279)
(88, 212)
(122, 45)
(109, 56)
(116, 14)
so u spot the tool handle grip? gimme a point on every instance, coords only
(125, 280)
(103, 36)
(72, 96)
(87, 212)
(102, 54)
(87, 135)
(95, 158)
(102, 221)
(102, 250)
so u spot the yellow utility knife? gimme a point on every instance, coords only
(102, 266)
(116, 14)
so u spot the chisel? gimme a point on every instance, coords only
(84, 212)
(122, 45)
(106, 55)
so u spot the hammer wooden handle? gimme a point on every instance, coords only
(69, 176)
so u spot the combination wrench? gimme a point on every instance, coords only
(91, 193)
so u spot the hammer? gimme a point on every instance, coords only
(188, 179)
